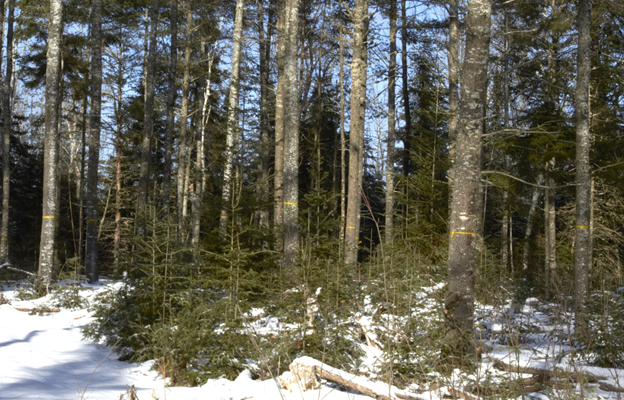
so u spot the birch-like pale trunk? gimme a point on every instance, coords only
(459, 305)
(172, 92)
(182, 184)
(232, 115)
(356, 145)
(453, 96)
(392, 72)
(7, 117)
(47, 244)
(582, 244)
(292, 114)
(148, 121)
(91, 245)
(407, 112)
(550, 215)
(529, 227)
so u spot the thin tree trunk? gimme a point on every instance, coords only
(7, 117)
(232, 114)
(343, 148)
(582, 241)
(358, 113)
(172, 91)
(463, 222)
(47, 245)
(182, 189)
(278, 189)
(529, 227)
(407, 141)
(148, 121)
(551, 230)
(392, 72)
(453, 67)
(91, 245)
(265, 53)
(292, 114)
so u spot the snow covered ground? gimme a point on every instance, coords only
(43, 356)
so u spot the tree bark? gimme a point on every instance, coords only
(264, 53)
(343, 148)
(182, 187)
(7, 117)
(392, 72)
(292, 114)
(529, 228)
(278, 189)
(148, 121)
(232, 114)
(407, 112)
(453, 67)
(459, 305)
(551, 231)
(47, 244)
(582, 245)
(172, 92)
(358, 113)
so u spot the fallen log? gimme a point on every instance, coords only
(306, 372)
(583, 375)
(12, 268)
(38, 310)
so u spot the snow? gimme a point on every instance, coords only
(44, 356)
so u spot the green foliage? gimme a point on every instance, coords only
(606, 345)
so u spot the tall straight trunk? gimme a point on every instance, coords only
(91, 246)
(392, 72)
(2, 13)
(407, 141)
(182, 186)
(264, 53)
(343, 147)
(118, 151)
(582, 245)
(453, 97)
(172, 91)
(232, 114)
(292, 115)
(358, 113)
(551, 230)
(506, 211)
(47, 245)
(7, 117)
(148, 120)
(459, 305)
(278, 182)
(529, 227)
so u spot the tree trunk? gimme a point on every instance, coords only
(551, 231)
(343, 148)
(7, 117)
(148, 121)
(292, 114)
(91, 245)
(358, 113)
(265, 54)
(182, 187)
(278, 188)
(171, 100)
(582, 245)
(529, 227)
(232, 114)
(453, 97)
(47, 245)
(407, 112)
(463, 222)
(392, 72)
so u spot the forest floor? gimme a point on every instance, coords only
(43, 356)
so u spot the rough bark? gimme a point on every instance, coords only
(453, 97)
(582, 245)
(278, 189)
(47, 244)
(232, 114)
(264, 44)
(172, 91)
(392, 72)
(529, 227)
(407, 112)
(459, 306)
(358, 112)
(551, 231)
(148, 120)
(182, 187)
(7, 118)
(343, 147)
(292, 115)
